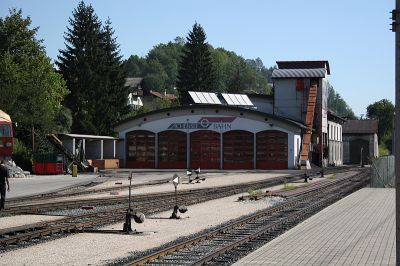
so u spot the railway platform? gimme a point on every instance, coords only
(357, 230)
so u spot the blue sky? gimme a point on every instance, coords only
(353, 35)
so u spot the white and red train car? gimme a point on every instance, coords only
(6, 136)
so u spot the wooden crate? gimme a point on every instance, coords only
(105, 163)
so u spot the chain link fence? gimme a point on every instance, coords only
(382, 172)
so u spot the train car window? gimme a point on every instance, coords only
(5, 131)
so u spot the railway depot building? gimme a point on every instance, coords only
(237, 131)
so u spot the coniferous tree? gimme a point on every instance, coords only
(91, 65)
(113, 94)
(196, 71)
(79, 63)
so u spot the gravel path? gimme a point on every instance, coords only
(18, 220)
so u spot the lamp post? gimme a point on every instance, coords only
(396, 29)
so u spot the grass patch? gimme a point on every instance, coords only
(333, 176)
(287, 186)
(255, 193)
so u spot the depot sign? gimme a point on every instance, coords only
(216, 123)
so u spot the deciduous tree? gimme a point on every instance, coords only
(383, 111)
(31, 91)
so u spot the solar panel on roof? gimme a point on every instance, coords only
(208, 97)
(215, 98)
(237, 99)
(241, 100)
(201, 97)
(247, 100)
(227, 99)
(194, 97)
(204, 97)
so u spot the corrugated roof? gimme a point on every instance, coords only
(304, 65)
(133, 82)
(299, 73)
(360, 126)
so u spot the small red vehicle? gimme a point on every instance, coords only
(6, 136)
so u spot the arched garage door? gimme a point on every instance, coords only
(238, 150)
(205, 149)
(140, 149)
(272, 149)
(172, 149)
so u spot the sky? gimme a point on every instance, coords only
(353, 35)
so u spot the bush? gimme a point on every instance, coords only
(22, 155)
(383, 151)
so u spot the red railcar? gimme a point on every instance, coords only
(6, 136)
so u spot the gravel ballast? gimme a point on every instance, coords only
(100, 249)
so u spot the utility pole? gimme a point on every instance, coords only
(396, 29)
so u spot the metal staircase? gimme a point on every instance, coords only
(305, 147)
(78, 159)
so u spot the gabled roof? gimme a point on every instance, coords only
(299, 73)
(133, 82)
(367, 126)
(163, 96)
(304, 65)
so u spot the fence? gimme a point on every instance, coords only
(382, 172)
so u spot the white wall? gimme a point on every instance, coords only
(335, 144)
(209, 120)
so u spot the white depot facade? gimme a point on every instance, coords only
(335, 156)
(211, 137)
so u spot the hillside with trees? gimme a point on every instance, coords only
(338, 105)
(231, 72)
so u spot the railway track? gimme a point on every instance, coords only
(73, 191)
(225, 245)
(37, 205)
(148, 204)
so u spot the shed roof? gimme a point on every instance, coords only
(299, 73)
(81, 136)
(367, 126)
(304, 65)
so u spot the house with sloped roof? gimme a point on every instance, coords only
(360, 141)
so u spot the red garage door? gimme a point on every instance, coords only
(140, 149)
(272, 150)
(238, 150)
(205, 149)
(172, 149)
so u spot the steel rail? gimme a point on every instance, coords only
(290, 203)
(39, 206)
(158, 203)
